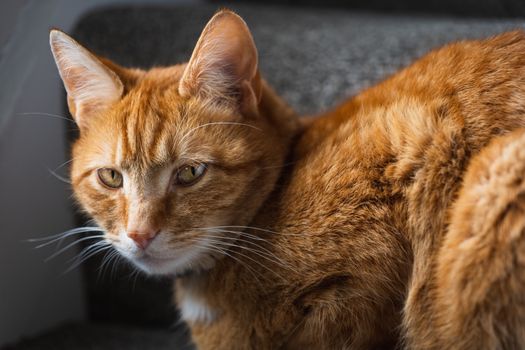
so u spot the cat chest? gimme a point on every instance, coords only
(195, 309)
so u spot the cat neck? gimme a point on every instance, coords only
(281, 116)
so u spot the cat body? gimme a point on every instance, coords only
(392, 220)
(379, 176)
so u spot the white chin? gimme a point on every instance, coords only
(173, 266)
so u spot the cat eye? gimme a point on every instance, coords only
(110, 177)
(189, 174)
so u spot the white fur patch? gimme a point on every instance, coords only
(195, 310)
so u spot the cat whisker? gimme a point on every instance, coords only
(258, 229)
(241, 227)
(114, 265)
(71, 245)
(87, 253)
(61, 236)
(93, 247)
(134, 275)
(59, 177)
(256, 249)
(63, 164)
(239, 237)
(88, 248)
(106, 262)
(229, 246)
(247, 257)
(219, 229)
(243, 234)
(203, 244)
(243, 239)
(49, 115)
(236, 239)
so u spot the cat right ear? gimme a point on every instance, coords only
(91, 86)
(223, 66)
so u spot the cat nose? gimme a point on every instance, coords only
(143, 238)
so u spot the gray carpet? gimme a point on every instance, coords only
(314, 57)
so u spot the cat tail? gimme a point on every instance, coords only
(478, 296)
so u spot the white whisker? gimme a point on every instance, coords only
(218, 229)
(105, 259)
(256, 249)
(59, 177)
(87, 249)
(90, 249)
(50, 115)
(226, 244)
(118, 259)
(61, 236)
(255, 229)
(87, 255)
(71, 245)
(201, 243)
(63, 164)
(135, 272)
(107, 263)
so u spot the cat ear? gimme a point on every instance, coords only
(223, 66)
(91, 86)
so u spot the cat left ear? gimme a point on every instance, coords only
(91, 86)
(223, 66)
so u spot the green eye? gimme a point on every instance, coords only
(189, 174)
(110, 177)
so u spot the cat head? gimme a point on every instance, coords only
(171, 161)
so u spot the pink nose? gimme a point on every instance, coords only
(143, 238)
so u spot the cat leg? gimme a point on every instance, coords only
(476, 298)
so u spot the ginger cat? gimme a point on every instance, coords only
(395, 220)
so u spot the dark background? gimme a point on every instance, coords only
(464, 8)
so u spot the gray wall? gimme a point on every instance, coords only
(34, 295)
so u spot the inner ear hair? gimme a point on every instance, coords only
(223, 67)
(90, 84)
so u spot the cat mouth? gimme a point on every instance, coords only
(156, 265)
(159, 265)
(151, 259)
(171, 266)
